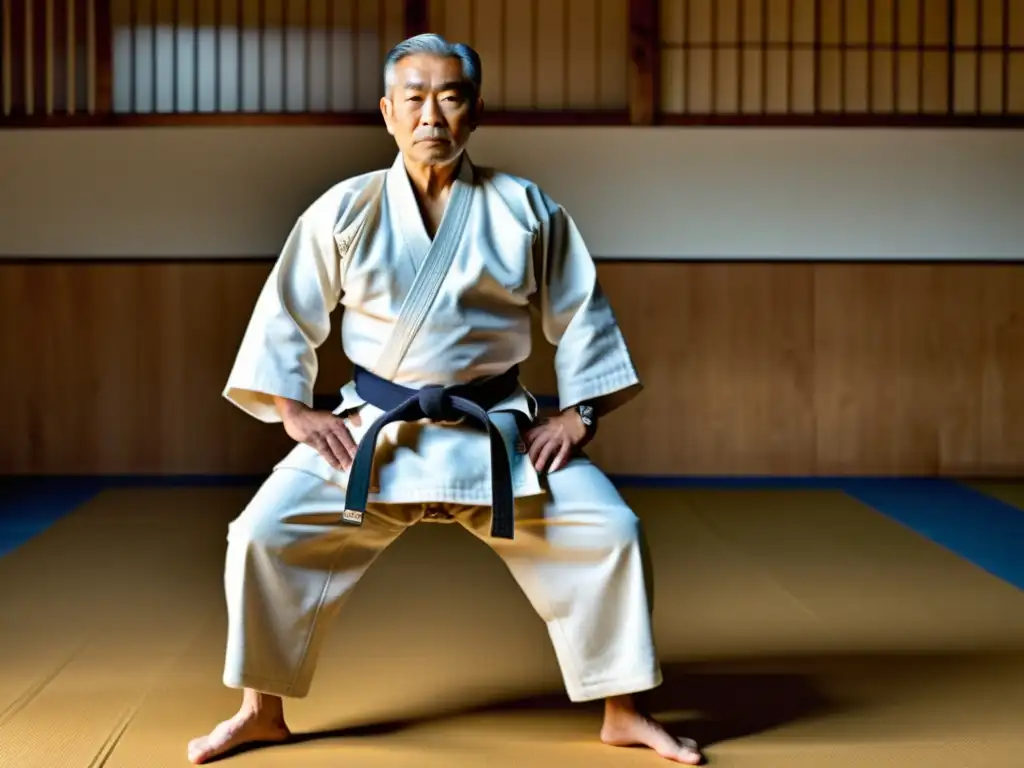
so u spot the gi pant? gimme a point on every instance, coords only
(578, 555)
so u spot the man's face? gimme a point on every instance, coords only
(430, 110)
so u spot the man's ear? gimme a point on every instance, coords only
(478, 113)
(386, 110)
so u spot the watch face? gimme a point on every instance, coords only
(586, 414)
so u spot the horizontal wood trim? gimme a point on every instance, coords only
(841, 120)
(534, 118)
(750, 369)
(525, 118)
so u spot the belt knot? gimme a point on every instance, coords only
(436, 403)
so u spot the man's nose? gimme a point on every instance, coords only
(431, 113)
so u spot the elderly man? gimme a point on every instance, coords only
(437, 264)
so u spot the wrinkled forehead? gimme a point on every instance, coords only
(425, 72)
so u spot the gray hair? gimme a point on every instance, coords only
(435, 45)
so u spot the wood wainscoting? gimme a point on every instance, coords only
(751, 368)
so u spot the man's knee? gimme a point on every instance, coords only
(623, 525)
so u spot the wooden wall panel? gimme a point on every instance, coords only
(726, 353)
(785, 369)
(914, 368)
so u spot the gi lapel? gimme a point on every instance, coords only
(431, 273)
(404, 208)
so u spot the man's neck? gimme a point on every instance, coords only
(432, 182)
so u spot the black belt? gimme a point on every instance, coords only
(437, 403)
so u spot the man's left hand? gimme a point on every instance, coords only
(553, 440)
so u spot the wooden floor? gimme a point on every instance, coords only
(797, 628)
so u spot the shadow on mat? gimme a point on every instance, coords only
(705, 705)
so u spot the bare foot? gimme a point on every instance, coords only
(624, 726)
(252, 726)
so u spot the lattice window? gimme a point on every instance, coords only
(752, 62)
(544, 54)
(842, 59)
(260, 56)
(48, 53)
(309, 57)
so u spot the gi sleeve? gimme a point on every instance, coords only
(592, 362)
(291, 319)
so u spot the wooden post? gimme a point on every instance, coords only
(644, 61)
(17, 77)
(104, 41)
(417, 17)
(40, 58)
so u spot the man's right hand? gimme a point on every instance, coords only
(321, 430)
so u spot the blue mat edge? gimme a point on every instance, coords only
(980, 528)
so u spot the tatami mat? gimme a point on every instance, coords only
(798, 628)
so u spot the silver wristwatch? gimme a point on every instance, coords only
(588, 416)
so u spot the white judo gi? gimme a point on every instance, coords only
(503, 246)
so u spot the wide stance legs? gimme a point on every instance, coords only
(578, 556)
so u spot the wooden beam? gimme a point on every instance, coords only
(532, 118)
(644, 61)
(18, 61)
(908, 120)
(40, 54)
(104, 42)
(417, 17)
